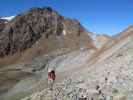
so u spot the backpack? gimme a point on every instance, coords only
(51, 75)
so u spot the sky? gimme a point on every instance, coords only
(97, 16)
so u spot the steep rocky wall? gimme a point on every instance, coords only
(27, 28)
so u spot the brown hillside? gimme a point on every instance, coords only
(112, 42)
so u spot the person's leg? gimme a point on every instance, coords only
(50, 84)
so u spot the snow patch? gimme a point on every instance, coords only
(9, 18)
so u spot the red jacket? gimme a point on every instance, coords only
(51, 75)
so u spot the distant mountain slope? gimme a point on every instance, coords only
(101, 40)
(55, 31)
(125, 33)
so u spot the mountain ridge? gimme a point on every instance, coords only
(25, 29)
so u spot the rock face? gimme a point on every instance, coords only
(27, 28)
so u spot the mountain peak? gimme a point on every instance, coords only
(45, 24)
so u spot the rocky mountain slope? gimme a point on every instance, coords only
(110, 78)
(125, 33)
(45, 25)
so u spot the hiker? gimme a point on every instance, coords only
(51, 78)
